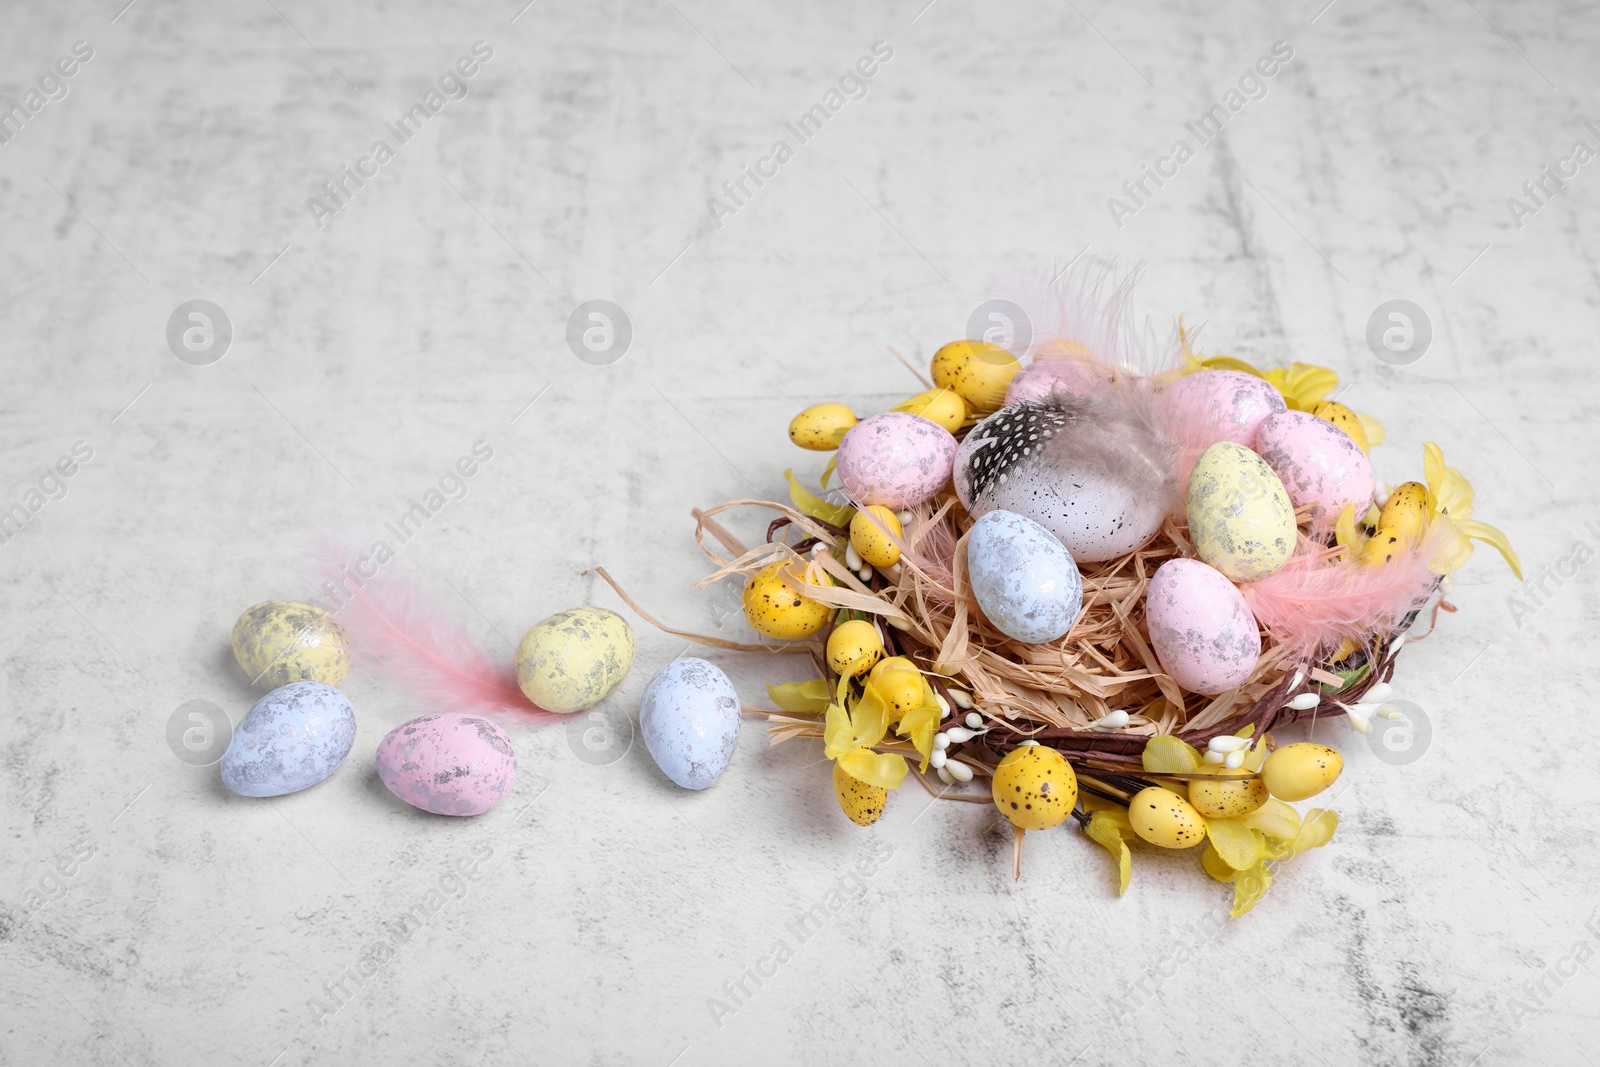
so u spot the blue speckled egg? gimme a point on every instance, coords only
(689, 716)
(293, 738)
(1025, 580)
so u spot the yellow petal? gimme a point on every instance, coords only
(836, 732)
(1454, 546)
(919, 725)
(1316, 831)
(806, 698)
(1109, 828)
(1229, 363)
(1237, 844)
(869, 717)
(809, 504)
(1249, 888)
(1373, 427)
(1215, 867)
(886, 769)
(1345, 533)
(1166, 754)
(1449, 492)
(1489, 535)
(827, 472)
(1275, 819)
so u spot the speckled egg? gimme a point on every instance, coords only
(282, 641)
(775, 607)
(1163, 818)
(448, 764)
(1024, 579)
(1240, 517)
(1300, 771)
(978, 371)
(570, 661)
(1238, 792)
(895, 459)
(861, 802)
(1034, 787)
(1200, 627)
(1319, 464)
(1238, 401)
(1058, 365)
(689, 716)
(293, 738)
(821, 427)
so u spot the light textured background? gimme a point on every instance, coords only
(1446, 923)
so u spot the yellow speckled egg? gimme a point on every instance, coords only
(1240, 517)
(1035, 788)
(1163, 818)
(282, 641)
(1342, 417)
(978, 371)
(856, 641)
(943, 406)
(1227, 799)
(821, 427)
(899, 683)
(861, 802)
(869, 533)
(570, 661)
(776, 610)
(1301, 770)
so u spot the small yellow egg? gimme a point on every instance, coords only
(943, 406)
(862, 803)
(899, 683)
(1035, 787)
(774, 609)
(821, 427)
(1226, 800)
(978, 371)
(1406, 510)
(1163, 818)
(856, 641)
(574, 659)
(1342, 417)
(281, 641)
(1301, 770)
(869, 533)
(1384, 544)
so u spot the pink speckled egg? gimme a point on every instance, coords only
(1058, 365)
(448, 764)
(1318, 464)
(895, 459)
(1237, 402)
(1200, 627)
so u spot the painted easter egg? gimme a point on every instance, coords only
(449, 764)
(979, 371)
(1234, 402)
(1300, 771)
(1320, 465)
(282, 641)
(1200, 627)
(570, 661)
(1240, 517)
(896, 459)
(689, 716)
(1058, 365)
(821, 427)
(1034, 787)
(775, 607)
(293, 738)
(1024, 579)
(1081, 467)
(1163, 818)
(943, 406)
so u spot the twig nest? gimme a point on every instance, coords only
(1023, 578)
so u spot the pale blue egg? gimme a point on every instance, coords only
(1025, 580)
(293, 738)
(689, 716)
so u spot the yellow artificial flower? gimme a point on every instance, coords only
(1450, 510)
(848, 737)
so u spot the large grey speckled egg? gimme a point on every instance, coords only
(293, 738)
(689, 716)
(1026, 582)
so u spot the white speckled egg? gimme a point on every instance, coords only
(449, 764)
(1319, 464)
(1200, 627)
(895, 459)
(293, 738)
(689, 716)
(1238, 401)
(1025, 580)
(570, 661)
(1240, 517)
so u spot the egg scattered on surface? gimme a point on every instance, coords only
(1200, 627)
(572, 660)
(449, 764)
(854, 642)
(976, 370)
(943, 406)
(1083, 468)
(1034, 787)
(689, 716)
(1238, 401)
(281, 641)
(1241, 519)
(1163, 818)
(821, 427)
(1223, 799)
(1318, 463)
(895, 459)
(1300, 771)
(861, 802)
(1025, 581)
(870, 532)
(293, 738)
(773, 607)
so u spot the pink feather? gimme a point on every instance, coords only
(1191, 427)
(1314, 603)
(403, 638)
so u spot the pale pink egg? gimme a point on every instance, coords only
(895, 459)
(1200, 627)
(1063, 365)
(1232, 402)
(449, 764)
(1318, 463)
